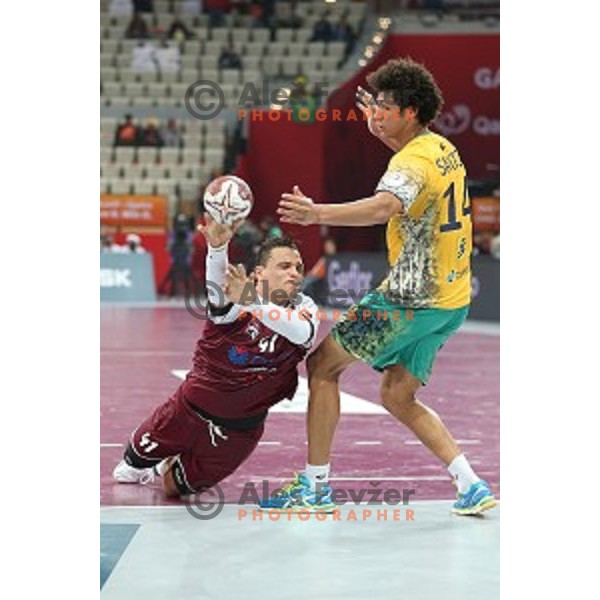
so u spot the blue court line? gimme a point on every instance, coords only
(114, 539)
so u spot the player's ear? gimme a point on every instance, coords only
(410, 114)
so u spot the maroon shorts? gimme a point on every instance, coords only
(207, 452)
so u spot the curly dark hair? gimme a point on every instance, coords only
(410, 85)
(264, 250)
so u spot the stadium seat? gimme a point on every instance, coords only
(303, 35)
(189, 189)
(192, 48)
(254, 49)
(276, 49)
(241, 34)
(296, 49)
(169, 156)
(134, 90)
(111, 171)
(315, 48)
(133, 171)
(105, 156)
(165, 187)
(112, 88)
(124, 155)
(120, 186)
(290, 66)
(261, 35)
(155, 171)
(146, 156)
(143, 186)
(191, 156)
(284, 35)
(178, 172)
(209, 62)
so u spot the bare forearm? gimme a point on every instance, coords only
(368, 211)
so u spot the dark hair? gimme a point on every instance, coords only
(264, 250)
(410, 84)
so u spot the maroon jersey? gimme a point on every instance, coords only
(242, 367)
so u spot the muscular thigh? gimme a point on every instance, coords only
(329, 358)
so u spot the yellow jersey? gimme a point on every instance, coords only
(429, 242)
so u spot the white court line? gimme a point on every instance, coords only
(373, 478)
(482, 327)
(463, 442)
(369, 443)
(153, 507)
(269, 443)
(111, 445)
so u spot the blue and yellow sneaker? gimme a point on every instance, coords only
(478, 499)
(297, 496)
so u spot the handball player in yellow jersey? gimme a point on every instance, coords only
(423, 198)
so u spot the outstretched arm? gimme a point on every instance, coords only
(298, 208)
(218, 237)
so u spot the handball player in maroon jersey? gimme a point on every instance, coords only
(245, 362)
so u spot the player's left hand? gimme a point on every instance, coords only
(236, 283)
(298, 208)
(217, 235)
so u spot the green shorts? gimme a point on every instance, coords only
(382, 334)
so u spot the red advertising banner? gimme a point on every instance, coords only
(485, 213)
(467, 70)
(126, 210)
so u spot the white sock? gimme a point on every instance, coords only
(317, 474)
(462, 473)
(164, 465)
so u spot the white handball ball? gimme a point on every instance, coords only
(228, 199)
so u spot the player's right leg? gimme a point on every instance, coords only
(310, 490)
(158, 439)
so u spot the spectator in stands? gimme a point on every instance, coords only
(269, 227)
(301, 99)
(171, 134)
(315, 282)
(322, 29)
(127, 133)
(137, 28)
(217, 9)
(180, 248)
(293, 20)
(143, 6)
(143, 58)
(178, 31)
(229, 58)
(133, 244)
(343, 32)
(108, 246)
(168, 57)
(151, 135)
(245, 244)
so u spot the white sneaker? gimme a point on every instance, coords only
(125, 473)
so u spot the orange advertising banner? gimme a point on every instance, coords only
(124, 210)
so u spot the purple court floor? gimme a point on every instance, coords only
(146, 351)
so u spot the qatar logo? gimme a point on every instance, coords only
(454, 121)
(486, 78)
